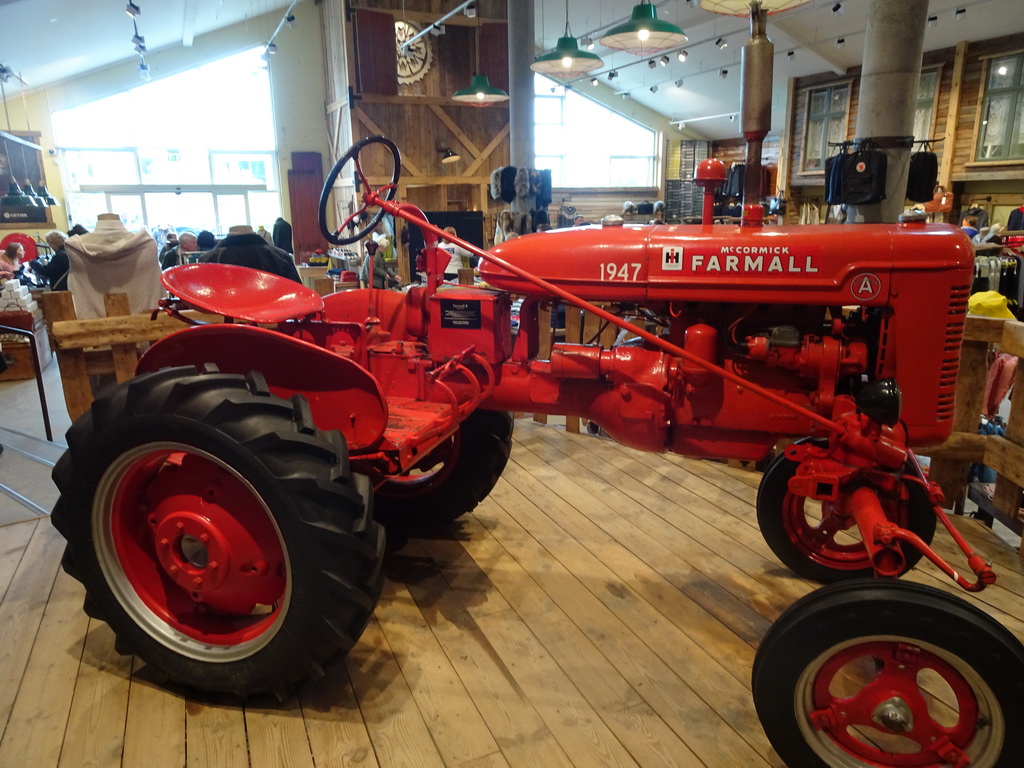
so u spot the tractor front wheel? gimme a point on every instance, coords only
(819, 540)
(893, 675)
(217, 531)
(453, 478)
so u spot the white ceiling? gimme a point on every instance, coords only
(45, 41)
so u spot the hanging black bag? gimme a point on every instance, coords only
(864, 177)
(834, 177)
(924, 173)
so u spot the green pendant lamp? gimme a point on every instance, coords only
(644, 33)
(48, 199)
(480, 92)
(30, 191)
(566, 61)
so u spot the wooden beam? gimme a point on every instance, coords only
(103, 331)
(425, 181)
(952, 116)
(374, 128)
(454, 128)
(961, 446)
(1012, 340)
(501, 136)
(987, 329)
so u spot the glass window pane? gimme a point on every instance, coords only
(244, 169)
(173, 166)
(188, 210)
(926, 86)
(629, 171)
(836, 130)
(129, 208)
(98, 167)
(84, 207)
(994, 125)
(90, 125)
(548, 111)
(549, 139)
(819, 100)
(812, 148)
(837, 103)
(264, 208)
(923, 122)
(1018, 149)
(1003, 72)
(230, 211)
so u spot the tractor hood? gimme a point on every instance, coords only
(824, 264)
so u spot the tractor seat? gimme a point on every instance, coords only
(242, 293)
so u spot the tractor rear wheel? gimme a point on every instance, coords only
(453, 478)
(890, 674)
(217, 531)
(817, 540)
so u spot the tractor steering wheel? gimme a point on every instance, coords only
(336, 237)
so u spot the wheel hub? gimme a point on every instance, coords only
(192, 549)
(895, 715)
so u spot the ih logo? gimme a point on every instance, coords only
(672, 258)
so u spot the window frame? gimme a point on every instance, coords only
(809, 93)
(984, 93)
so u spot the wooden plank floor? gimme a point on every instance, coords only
(601, 608)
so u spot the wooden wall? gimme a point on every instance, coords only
(961, 80)
(421, 116)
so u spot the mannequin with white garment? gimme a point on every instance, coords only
(111, 259)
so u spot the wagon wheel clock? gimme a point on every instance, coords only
(415, 60)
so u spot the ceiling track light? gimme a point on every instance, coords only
(840, 43)
(790, 55)
(679, 83)
(652, 64)
(594, 81)
(654, 88)
(612, 75)
(132, 9)
(838, 9)
(139, 40)
(722, 42)
(140, 49)
(470, 11)
(960, 14)
(289, 20)
(723, 73)
(587, 42)
(933, 20)
(682, 55)
(271, 48)
(663, 61)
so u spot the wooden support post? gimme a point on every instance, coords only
(74, 373)
(573, 329)
(544, 343)
(126, 356)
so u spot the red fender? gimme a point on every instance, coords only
(342, 394)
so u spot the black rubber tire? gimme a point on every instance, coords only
(773, 494)
(898, 615)
(480, 449)
(330, 548)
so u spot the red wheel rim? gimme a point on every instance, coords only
(816, 539)
(900, 704)
(191, 551)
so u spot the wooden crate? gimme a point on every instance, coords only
(19, 355)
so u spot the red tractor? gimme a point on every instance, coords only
(221, 508)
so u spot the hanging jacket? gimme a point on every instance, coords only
(110, 259)
(1016, 221)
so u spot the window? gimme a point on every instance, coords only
(585, 144)
(140, 154)
(1001, 133)
(924, 112)
(826, 124)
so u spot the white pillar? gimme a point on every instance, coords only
(520, 83)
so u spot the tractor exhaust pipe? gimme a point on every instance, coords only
(757, 59)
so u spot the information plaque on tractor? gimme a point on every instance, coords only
(460, 313)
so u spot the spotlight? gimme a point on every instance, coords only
(447, 156)
(594, 81)
(838, 9)
(144, 70)
(723, 74)
(663, 61)
(959, 14)
(652, 63)
(140, 49)
(841, 43)
(679, 83)
(437, 29)
(612, 75)
(654, 89)
(587, 42)
(132, 9)
(681, 124)
(625, 94)
(470, 11)
(732, 118)
(682, 55)
(271, 48)
(289, 20)
(790, 55)
(933, 20)
(722, 42)
(138, 39)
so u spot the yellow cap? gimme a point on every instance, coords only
(990, 304)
